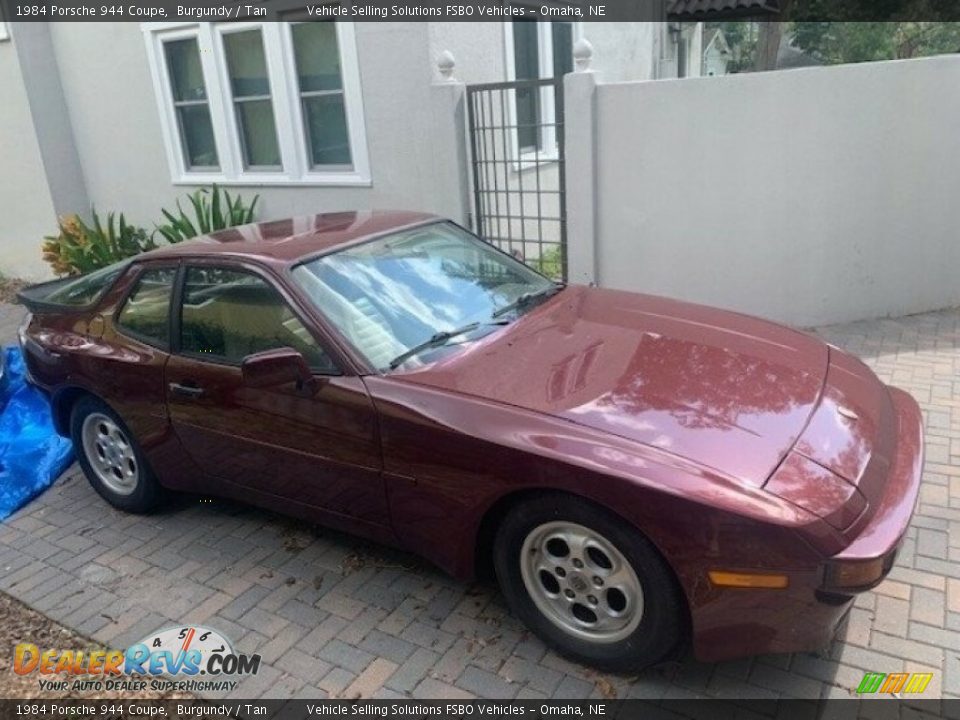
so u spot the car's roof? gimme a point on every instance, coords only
(288, 240)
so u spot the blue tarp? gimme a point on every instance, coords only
(32, 455)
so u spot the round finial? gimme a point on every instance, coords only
(445, 64)
(582, 54)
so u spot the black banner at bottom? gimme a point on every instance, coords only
(696, 709)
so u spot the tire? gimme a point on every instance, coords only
(631, 631)
(96, 430)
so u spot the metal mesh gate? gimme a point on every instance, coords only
(517, 162)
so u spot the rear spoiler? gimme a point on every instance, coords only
(35, 297)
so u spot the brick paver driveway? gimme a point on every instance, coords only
(335, 616)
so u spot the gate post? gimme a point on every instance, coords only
(580, 118)
(450, 163)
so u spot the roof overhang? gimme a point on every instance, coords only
(699, 10)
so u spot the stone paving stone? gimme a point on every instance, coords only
(306, 667)
(370, 680)
(518, 670)
(412, 670)
(346, 656)
(927, 606)
(430, 689)
(336, 681)
(387, 646)
(891, 616)
(281, 642)
(396, 627)
(486, 684)
(571, 687)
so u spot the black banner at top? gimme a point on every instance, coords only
(478, 10)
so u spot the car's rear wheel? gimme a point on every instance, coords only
(588, 583)
(110, 457)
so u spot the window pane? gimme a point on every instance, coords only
(247, 67)
(89, 288)
(562, 48)
(258, 133)
(326, 120)
(317, 55)
(147, 310)
(229, 315)
(186, 75)
(526, 50)
(196, 133)
(246, 64)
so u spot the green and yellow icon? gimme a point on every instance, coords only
(894, 683)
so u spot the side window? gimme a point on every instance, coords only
(230, 314)
(146, 312)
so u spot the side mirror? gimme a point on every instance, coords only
(277, 367)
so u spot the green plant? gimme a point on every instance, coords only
(80, 248)
(213, 209)
(550, 263)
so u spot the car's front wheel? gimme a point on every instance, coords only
(110, 457)
(588, 583)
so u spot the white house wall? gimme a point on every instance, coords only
(26, 207)
(118, 133)
(808, 196)
(622, 51)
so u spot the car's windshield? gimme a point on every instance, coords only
(395, 293)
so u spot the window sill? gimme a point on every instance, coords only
(532, 161)
(275, 180)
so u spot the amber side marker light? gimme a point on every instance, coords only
(723, 578)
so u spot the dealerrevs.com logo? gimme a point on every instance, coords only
(188, 659)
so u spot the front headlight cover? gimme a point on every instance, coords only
(816, 489)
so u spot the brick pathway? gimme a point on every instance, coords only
(335, 616)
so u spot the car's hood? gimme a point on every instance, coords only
(724, 390)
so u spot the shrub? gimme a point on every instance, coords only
(550, 263)
(213, 209)
(80, 248)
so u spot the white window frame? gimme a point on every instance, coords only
(548, 152)
(284, 93)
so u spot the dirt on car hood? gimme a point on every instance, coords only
(727, 391)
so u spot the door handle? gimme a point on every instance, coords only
(187, 391)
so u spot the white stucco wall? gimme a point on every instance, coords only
(26, 207)
(118, 136)
(622, 51)
(812, 196)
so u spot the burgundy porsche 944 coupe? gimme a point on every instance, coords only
(638, 472)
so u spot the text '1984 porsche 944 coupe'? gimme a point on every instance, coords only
(640, 473)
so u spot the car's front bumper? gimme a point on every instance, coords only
(807, 614)
(865, 562)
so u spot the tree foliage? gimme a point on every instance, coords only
(833, 43)
(850, 42)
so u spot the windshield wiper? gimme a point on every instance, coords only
(435, 340)
(528, 299)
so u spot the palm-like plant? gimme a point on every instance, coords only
(213, 209)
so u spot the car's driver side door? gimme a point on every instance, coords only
(315, 447)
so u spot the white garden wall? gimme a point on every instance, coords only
(809, 196)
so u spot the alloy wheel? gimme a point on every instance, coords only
(581, 582)
(110, 454)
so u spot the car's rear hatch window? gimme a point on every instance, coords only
(72, 292)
